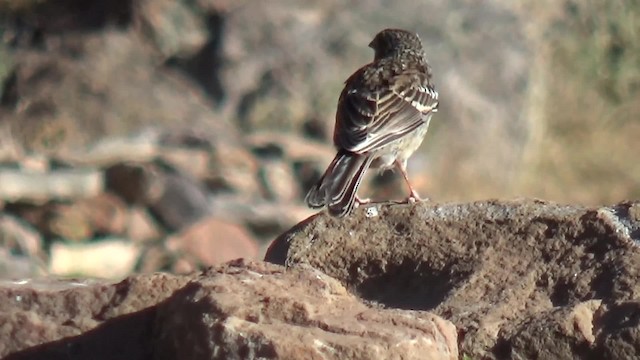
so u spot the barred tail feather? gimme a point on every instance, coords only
(338, 186)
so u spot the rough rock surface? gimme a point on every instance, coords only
(520, 279)
(264, 311)
(235, 311)
(84, 319)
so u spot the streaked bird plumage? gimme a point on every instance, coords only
(382, 117)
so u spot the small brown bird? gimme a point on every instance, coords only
(383, 115)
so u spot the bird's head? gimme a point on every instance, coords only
(395, 43)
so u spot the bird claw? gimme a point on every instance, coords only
(414, 197)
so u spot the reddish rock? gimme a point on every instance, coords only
(213, 241)
(140, 226)
(258, 310)
(46, 318)
(104, 214)
(238, 310)
(68, 222)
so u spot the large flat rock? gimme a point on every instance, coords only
(519, 279)
(235, 311)
(264, 311)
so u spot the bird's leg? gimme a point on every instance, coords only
(362, 201)
(413, 194)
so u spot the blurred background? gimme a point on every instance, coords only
(145, 135)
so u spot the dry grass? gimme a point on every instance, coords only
(588, 72)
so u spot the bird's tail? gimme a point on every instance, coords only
(338, 186)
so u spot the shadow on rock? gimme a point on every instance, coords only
(125, 337)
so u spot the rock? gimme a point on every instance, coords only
(308, 159)
(294, 148)
(172, 26)
(129, 181)
(194, 162)
(234, 170)
(175, 199)
(259, 310)
(213, 241)
(524, 269)
(618, 324)
(46, 318)
(114, 150)
(565, 332)
(107, 213)
(17, 236)
(34, 163)
(265, 219)
(141, 227)
(14, 266)
(108, 258)
(156, 258)
(104, 214)
(237, 310)
(80, 87)
(278, 182)
(68, 223)
(61, 184)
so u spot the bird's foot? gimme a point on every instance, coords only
(362, 201)
(414, 197)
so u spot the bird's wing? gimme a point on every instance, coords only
(368, 119)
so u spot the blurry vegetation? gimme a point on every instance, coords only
(588, 148)
(580, 127)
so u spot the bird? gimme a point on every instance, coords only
(382, 117)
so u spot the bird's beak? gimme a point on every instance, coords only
(371, 44)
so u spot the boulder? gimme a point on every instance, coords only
(519, 279)
(240, 310)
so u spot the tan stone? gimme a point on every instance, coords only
(194, 162)
(111, 259)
